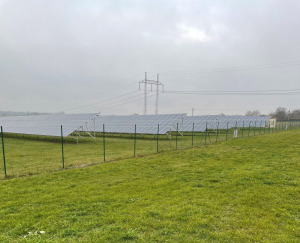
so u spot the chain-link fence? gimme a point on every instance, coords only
(31, 154)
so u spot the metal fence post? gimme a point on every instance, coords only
(157, 138)
(243, 129)
(254, 127)
(193, 135)
(103, 142)
(3, 151)
(249, 129)
(205, 132)
(176, 135)
(62, 147)
(265, 128)
(217, 132)
(227, 132)
(236, 129)
(260, 127)
(134, 144)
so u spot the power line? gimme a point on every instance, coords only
(217, 92)
(121, 102)
(104, 105)
(130, 101)
(232, 91)
(237, 92)
(191, 93)
(187, 110)
(103, 101)
(228, 69)
(109, 89)
(115, 87)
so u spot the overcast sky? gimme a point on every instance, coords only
(62, 55)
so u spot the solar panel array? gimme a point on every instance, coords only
(199, 122)
(222, 122)
(254, 121)
(48, 125)
(145, 124)
(232, 121)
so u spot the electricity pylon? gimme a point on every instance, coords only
(147, 82)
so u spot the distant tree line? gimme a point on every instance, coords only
(253, 113)
(281, 114)
(23, 113)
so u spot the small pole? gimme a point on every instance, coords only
(157, 138)
(265, 128)
(217, 132)
(3, 151)
(249, 129)
(205, 132)
(260, 127)
(94, 129)
(269, 127)
(243, 129)
(103, 142)
(227, 132)
(62, 147)
(193, 135)
(134, 148)
(176, 135)
(254, 127)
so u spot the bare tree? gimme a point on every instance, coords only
(253, 113)
(280, 114)
(295, 114)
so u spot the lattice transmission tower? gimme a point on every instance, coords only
(146, 83)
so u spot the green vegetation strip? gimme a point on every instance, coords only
(237, 191)
(29, 155)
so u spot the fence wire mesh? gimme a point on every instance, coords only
(25, 154)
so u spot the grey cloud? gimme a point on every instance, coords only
(57, 54)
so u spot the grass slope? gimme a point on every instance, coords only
(240, 190)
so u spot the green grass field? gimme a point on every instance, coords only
(242, 190)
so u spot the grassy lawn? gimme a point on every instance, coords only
(29, 155)
(243, 190)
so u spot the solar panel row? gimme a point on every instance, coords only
(49, 125)
(200, 123)
(145, 124)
